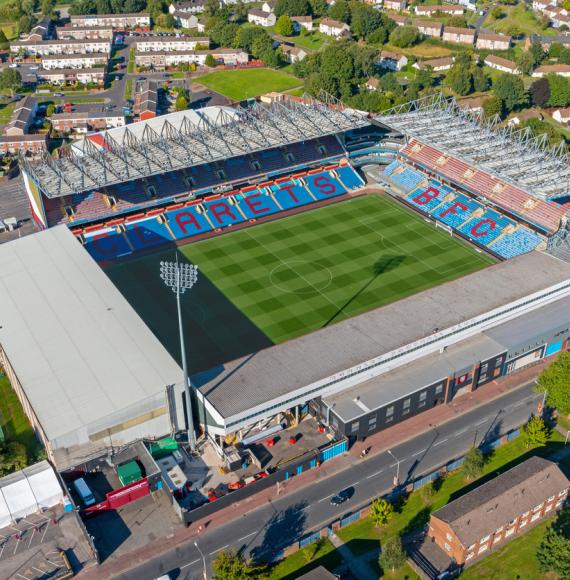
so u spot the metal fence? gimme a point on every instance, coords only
(350, 519)
(309, 539)
(334, 450)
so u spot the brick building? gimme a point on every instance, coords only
(171, 43)
(63, 61)
(86, 122)
(489, 41)
(85, 32)
(498, 510)
(460, 35)
(63, 76)
(119, 21)
(61, 46)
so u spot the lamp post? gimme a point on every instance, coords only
(203, 560)
(179, 278)
(397, 478)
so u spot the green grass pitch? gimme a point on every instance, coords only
(271, 282)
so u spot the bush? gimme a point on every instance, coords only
(392, 555)
(404, 36)
(473, 464)
(381, 512)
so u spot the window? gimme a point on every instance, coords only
(497, 538)
(289, 157)
(449, 536)
(535, 517)
(469, 556)
(322, 149)
(221, 174)
(112, 201)
(69, 212)
(563, 492)
(485, 539)
(509, 532)
(499, 530)
(447, 547)
(547, 508)
(523, 523)
(551, 498)
(389, 419)
(354, 427)
(407, 403)
(483, 548)
(471, 547)
(423, 395)
(390, 411)
(525, 514)
(151, 190)
(189, 181)
(439, 389)
(256, 165)
(537, 508)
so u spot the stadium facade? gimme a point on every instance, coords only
(175, 178)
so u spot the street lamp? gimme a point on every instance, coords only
(397, 478)
(179, 278)
(203, 560)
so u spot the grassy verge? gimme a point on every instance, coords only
(128, 89)
(13, 421)
(6, 111)
(517, 18)
(301, 562)
(131, 65)
(416, 511)
(246, 83)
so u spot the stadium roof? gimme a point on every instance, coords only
(513, 155)
(78, 348)
(178, 141)
(425, 371)
(280, 370)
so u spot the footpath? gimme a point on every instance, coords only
(377, 443)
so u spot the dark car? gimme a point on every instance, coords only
(342, 496)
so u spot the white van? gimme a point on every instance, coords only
(84, 492)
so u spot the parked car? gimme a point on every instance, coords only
(342, 496)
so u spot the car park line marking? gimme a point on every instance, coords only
(248, 535)
(190, 564)
(219, 549)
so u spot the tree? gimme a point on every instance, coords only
(25, 24)
(555, 380)
(340, 11)
(559, 90)
(48, 8)
(4, 44)
(458, 21)
(525, 62)
(553, 554)
(535, 432)
(292, 8)
(392, 555)
(537, 52)
(10, 79)
(497, 12)
(510, 89)
(181, 102)
(555, 49)
(404, 36)
(539, 92)
(13, 457)
(165, 21)
(460, 79)
(229, 565)
(492, 106)
(364, 20)
(210, 60)
(479, 79)
(473, 463)
(284, 25)
(318, 7)
(564, 57)
(381, 511)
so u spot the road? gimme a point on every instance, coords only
(268, 529)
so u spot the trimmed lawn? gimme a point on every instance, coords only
(416, 511)
(6, 111)
(312, 41)
(298, 563)
(13, 421)
(422, 50)
(515, 560)
(519, 16)
(275, 281)
(247, 83)
(406, 572)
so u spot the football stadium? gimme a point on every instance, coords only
(357, 269)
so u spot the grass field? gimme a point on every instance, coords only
(272, 282)
(246, 83)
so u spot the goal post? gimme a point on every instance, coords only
(447, 228)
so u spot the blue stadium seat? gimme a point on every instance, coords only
(488, 234)
(349, 177)
(186, 222)
(291, 194)
(458, 214)
(324, 186)
(408, 179)
(521, 241)
(255, 204)
(222, 213)
(106, 244)
(147, 233)
(419, 196)
(389, 169)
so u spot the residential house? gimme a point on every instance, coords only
(428, 27)
(436, 64)
(293, 53)
(334, 28)
(185, 19)
(391, 60)
(460, 35)
(32, 145)
(190, 7)
(75, 61)
(502, 64)
(63, 46)
(171, 43)
(472, 104)
(86, 122)
(547, 69)
(399, 19)
(447, 9)
(201, 25)
(22, 117)
(488, 41)
(261, 18)
(372, 84)
(66, 76)
(146, 101)
(562, 115)
(302, 22)
(163, 60)
(85, 32)
(268, 6)
(41, 31)
(118, 21)
(396, 5)
(498, 510)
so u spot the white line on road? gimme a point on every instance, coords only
(418, 452)
(190, 564)
(325, 498)
(481, 422)
(219, 549)
(248, 535)
(375, 474)
(440, 442)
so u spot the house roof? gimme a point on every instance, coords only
(426, 24)
(390, 55)
(456, 30)
(260, 13)
(333, 23)
(373, 82)
(553, 68)
(499, 61)
(491, 36)
(302, 18)
(436, 62)
(502, 499)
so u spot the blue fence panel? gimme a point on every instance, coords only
(350, 519)
(309, 539)
(454, 464)
(426, 479)
(313, 463)
(334, 450)
(513, 434)
(299, 470)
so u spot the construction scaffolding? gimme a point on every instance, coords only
(513, 155)
(190, 139)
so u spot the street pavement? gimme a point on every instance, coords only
(266, 531)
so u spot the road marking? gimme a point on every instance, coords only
(481, 422)
(440, 442)
(219, 549)
(375, 474)
(190, 564)
(456, 434)
(325, 498)
(418, 452)
(248, 535)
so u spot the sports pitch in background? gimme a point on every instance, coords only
(271, 282)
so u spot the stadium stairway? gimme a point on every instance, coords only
(181, 221)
